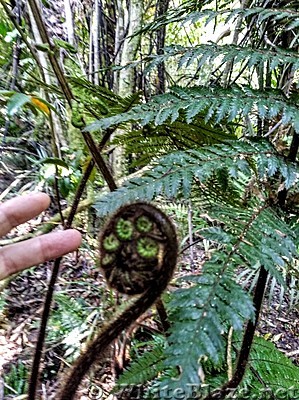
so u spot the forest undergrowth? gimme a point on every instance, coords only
(193, 106)
(81, 304)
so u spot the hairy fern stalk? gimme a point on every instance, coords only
(230, 145)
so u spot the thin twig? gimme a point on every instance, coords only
(41, 336)
(190, 235)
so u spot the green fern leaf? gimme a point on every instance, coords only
(179, 171)
(190, 11)
(277, 374)
(211, 52)
(224, 103)
(200, 316)
(202, 312)
(145, 368)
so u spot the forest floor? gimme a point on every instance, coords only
(21, 305)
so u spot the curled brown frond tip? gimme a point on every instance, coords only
(138, 252)
(137, 246)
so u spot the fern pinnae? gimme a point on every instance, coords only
(274, 369)
(223, 103)
(188, 12)
(212, 291)
(216, 289)
(145, 368)
(246, 157)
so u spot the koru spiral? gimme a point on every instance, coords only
(138, 253)
(133, 247)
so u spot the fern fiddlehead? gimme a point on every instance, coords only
(138, 252)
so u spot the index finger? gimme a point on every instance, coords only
(21, 209)
(16, 257)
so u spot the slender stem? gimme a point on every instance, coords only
(107, 175)
(161, 310)
(282, 195)
(161, 8)
(17, 150)
(79, 194)
(58, 200)
(85, 178)
(51, 53)
(42, 332)
(294, 145)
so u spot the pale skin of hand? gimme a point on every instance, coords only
(16, 257)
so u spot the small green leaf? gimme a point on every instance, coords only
(16, 102)
(65, 45)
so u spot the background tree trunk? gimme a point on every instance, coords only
(126, 47)
(161, 8)
(58, 139)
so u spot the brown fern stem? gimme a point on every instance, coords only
(161, 310)
(107, 335)
(51, 53)
(155, 271)
(84, 180)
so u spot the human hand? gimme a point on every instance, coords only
(16, 257)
